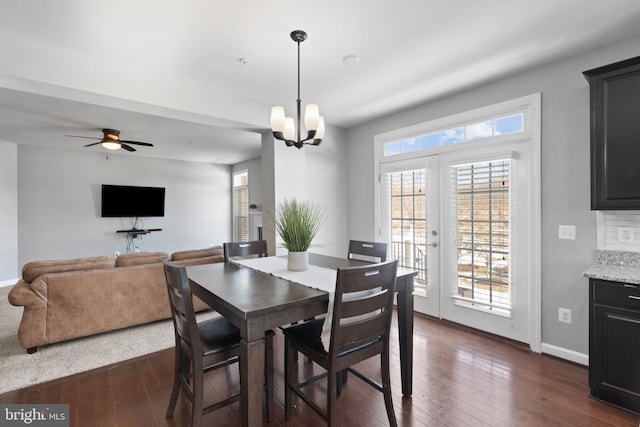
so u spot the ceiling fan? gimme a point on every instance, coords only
(111, 141)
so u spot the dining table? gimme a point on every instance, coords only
(256, 301)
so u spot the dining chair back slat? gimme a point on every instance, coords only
(256, 248)
(367, 251)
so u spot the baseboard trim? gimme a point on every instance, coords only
(10, 282)
(563, 353)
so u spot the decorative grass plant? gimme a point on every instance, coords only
(298, 222)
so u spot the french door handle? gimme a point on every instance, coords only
(434, 244)
(634, 297)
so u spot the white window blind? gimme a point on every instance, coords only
(240, 206)
(482, 214)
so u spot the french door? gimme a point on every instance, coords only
(462, 220)
(411, 226)
(459, 201)
(486, 246)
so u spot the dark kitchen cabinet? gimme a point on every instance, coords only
(615, 135)
(614, 343)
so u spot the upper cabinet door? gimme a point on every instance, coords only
(615, 135)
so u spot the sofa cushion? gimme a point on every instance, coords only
(140, 258)
(199, 256)
(33, 269)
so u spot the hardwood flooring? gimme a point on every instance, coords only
(461, 378)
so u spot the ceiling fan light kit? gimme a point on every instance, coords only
(284, 128)
(111, 141)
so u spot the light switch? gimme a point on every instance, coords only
(567, 232)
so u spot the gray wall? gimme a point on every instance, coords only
(8, 213)
(59, 203)
(565, 177)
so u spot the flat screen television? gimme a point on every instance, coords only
(130, 201)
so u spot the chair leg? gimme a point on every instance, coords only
(175, 390)
(197, 386)
(268, 371)
(341, 380)
(332, 383)
(386, 388)
(289, 375)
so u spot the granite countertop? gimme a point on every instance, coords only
(617, 266)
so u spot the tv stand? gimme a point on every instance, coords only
(135, 232)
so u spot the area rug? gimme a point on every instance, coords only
(19, 369)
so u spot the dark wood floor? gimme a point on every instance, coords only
(461, 378)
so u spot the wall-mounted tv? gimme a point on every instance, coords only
(130, 201)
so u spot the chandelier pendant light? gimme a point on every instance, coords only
(284, 128)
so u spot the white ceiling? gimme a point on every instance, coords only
(169, 73)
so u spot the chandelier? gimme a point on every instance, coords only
(284, 128)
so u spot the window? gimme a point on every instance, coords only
(407, 203)
(482, 210)
(491, 127)
(240, 206)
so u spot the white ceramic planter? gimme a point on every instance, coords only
(298, 261)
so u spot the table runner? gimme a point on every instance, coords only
(315, 277)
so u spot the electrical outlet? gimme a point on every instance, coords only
(564, 315)
(625, 234)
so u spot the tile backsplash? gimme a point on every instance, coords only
(618, 230)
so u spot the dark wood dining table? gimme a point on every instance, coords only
(255, 302)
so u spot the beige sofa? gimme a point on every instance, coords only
(73, 298)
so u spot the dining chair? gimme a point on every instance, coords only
(367, 251)
(361, 321)
(252, 249)
(363, 251)
(202, 347)
(245, 249)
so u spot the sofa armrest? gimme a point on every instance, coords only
(33, 326)
(22, 295)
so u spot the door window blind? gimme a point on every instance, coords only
(482, 214)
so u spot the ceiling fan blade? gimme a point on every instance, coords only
(90, 145)
(146, 144)
(78, 136)
(127, 147)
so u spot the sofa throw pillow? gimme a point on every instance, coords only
(33, 269)
(140, 258)
(214, 254)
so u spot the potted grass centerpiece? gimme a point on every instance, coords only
(297, 222)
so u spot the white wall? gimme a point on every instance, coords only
(8, 213)
(318, 173)
(565, 178)
(59, 203)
